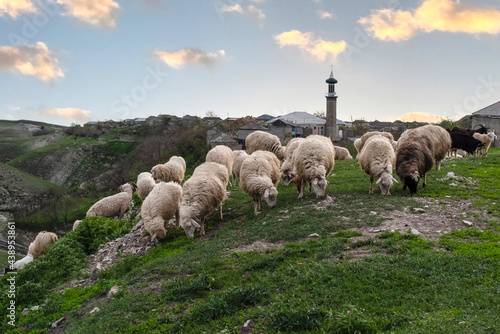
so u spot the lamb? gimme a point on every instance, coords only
(260, 140)
(486, 139)
(42, 240)
(286, 167)
(342, 153)
(223, 155)
(413, 158)
(159, 207)
(259, 177)
(20, 264)
(441, 142)
(239, 156)
(115, 205)
(313, 161)
(145, 183)
(172, 170)
(201, 194)
(377, 160)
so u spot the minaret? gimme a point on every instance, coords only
(332, 130)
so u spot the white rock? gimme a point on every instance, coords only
(415, 231)
(113, 290)
(373, 213)
(247, 323)
(419, 210)
(96, 309)
(55, 324)
(467, 222)
(450, 175)
(34, 308)
(314, 235)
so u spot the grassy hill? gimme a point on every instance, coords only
(366, 272)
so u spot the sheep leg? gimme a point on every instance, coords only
(438, 164)
(425, 181)
(255, 205)
(177, 219)
(221, 211)
(371, 186)
(202, 230)
(302, 186)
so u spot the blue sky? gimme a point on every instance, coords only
(73, 61)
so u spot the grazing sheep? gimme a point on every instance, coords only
(115, 205)
(76, 223)
(342, 153)
(413, 158)
(201, 194)
(42, 240)
(239, 157)
(21, 263)
(441, 142)
(260, 140)
(286, 167)
(464, 142)
(223, 155)
(145, 183)
(377, 160)
(172, 170)
(159, 207)
(313, 161)
(357, 145)
(486, 139)
(259, 177)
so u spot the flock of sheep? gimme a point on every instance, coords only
(303, 161)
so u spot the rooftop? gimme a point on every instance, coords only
(490, 111)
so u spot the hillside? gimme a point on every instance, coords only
(395, 264)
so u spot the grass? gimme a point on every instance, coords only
(308, 285)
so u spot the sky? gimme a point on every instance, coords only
(74, 61)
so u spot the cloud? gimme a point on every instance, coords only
(419, 117)
(102, 13)
(325, 15)
(36, 60)
(9, 117)
(79, 115)
(318, 48)
(178, 59)
(14, 8)
(252, 12)
(440, 15)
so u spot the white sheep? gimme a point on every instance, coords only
(487, 139)
(21, 263)
(223, 155)
(162, 203)
(115, 205)
(201, 194)
(357, 145)
(367, 135)
(259, 177)
(42, 240)
(286, 167)
(173, 170)
(441, 142)
(313, 161)
(145, 183)
(342, 153)
(264, 141)
(239, 157)
(377, 160)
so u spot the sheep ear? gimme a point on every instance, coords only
(379, 179)
(315, 182)
(394, 180)
(266, 193)
(195, 224)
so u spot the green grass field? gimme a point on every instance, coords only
(345, 281)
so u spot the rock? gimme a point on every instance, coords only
(25, 311)
(373, 213)
(247, 323)
(113, 291)
(57, 322)
(96, 309)
(450, 175)
(415, 231)
(314, 235)
(34, 308)
(418, 210)
(467, 222)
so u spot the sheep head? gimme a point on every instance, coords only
(271, 196)
(286, 177)
(319, 186)
(189, 227)
(411, 181)
(385, 183)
